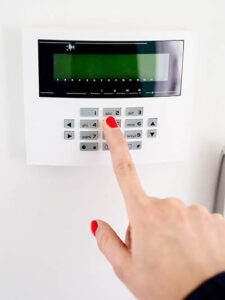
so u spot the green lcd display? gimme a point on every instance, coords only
(144, 67)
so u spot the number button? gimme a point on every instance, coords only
(105, 147)
(88, 135)
(134, 111)
(133, 123)
(89, 112)
(133, 134)
(111, 112)
(88, 123)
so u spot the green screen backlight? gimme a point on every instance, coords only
(149, 67)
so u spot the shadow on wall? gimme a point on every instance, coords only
(12, 68)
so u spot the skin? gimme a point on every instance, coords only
(170, 249)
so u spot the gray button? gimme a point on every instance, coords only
(88, 123)
(135, 145)
(111, 112)
(133, 134)
(105, 147)
(153, 122)
(118, 122)
(103, 136)
(134, 123)
(68, 123)
(134, 111)
(89, 112)
(69, 135)
(88, 135)
(88, 146)
(152, 133)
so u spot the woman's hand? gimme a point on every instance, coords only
(170, 248)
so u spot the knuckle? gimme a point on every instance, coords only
(172, 208)
(198, 209)
(125, 167)
(120, 142)
(218, 216)
(173, 202)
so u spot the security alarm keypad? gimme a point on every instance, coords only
(89, 129)
(73, 81)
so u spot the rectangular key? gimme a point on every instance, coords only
(129, 123)
(111, 112)
(69, 135)
(134, 111)
(88, 123)
(88, 112)
(133, 134)
(68, 123)
(152, 133)
(88, 146)
(152, 122)
(134, 145)
(88, 135)
(118, 121)
(105, 147)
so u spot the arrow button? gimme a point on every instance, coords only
(153, 122)
(152, 133)
(69, 135)
(68, 123)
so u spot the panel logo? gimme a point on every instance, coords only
(70, 47)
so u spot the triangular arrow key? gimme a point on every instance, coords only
(68, 135)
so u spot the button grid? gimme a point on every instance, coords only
(89, 128)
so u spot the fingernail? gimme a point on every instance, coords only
(94, 227)
(111, 122)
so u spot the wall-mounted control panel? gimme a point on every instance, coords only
(74, 80)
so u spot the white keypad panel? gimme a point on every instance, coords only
(132, 120)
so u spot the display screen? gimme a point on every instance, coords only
(145, 67)
(110, 69)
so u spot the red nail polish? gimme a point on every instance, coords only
(111, 122)
(94, 227)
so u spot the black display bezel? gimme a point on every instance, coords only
(109, 88)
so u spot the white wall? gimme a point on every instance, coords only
(46, 248)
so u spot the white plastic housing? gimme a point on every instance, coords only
(45, 144)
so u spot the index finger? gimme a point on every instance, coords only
(123, 165)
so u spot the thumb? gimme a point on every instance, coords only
(115, 251)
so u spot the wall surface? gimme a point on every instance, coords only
(46, 249)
